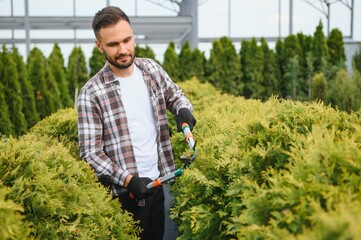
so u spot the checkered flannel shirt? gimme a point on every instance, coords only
(104, 138)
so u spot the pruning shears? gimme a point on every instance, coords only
(185, 159)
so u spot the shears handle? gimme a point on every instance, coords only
(190, 139)
(188, 135)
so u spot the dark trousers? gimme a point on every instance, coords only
(151, 216)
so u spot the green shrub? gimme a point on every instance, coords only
(60, 195)
(62, 126)
(12, 225)
(275, 170)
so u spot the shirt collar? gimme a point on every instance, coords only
(108, 74)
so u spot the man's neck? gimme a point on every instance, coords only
(122, 73)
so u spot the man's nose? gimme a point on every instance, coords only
(121, 48)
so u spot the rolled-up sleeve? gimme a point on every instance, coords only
(174, 96)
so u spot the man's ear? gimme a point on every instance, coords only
(99, 46)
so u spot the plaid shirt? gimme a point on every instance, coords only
(104, 138)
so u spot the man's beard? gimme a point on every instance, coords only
(119, 65)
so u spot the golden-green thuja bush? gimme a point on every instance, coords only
(62, 126)
(268, 170)
(12, 225)
(60, 195)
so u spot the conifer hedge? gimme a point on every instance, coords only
(278, 169)
(59, 195)
(275, 170)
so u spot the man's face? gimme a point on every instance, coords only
(116, 42)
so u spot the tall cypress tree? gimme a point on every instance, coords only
(6, 127)
(56, 64)
(224, 67)
(305, 42)
(245, 59)
(232, 67)
(185, 62)
(52, 86)
(27, 91)
(292, 52)
(171, 62)
(319, 86)
(340, 92)
(308, 73)
(257, 84)
(356, 60)
(336, 48)
(270, 71)
(36, 64)
(144, 52)
(10, 81)
(198, 63)
(252, 69)
(96, 61)
(282, 85)
(320, 49)
(292, 76)
(77, 73)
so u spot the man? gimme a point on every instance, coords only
(122, 122)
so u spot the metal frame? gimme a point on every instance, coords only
(148, 30)
(153, 29)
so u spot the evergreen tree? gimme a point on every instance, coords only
(305, 42)
(214, 64)
(344, 92)
(281, 63)
(356, 60)
(76, 72)
(256, 85)
(56, 64)
(308, 73)
(291, 47)
(356, 86)
(224, 67)
(185, 61)
(270, 71)
(27, 91)
(52, 86)
(292, 76)
(319, 86)
(96, 61)
(10, 81)
(320, 49)
(146, 52)
(36, 64)
(171, 63)
(232, 67)
(198, 63)
(245, 59)
(292, 52)
(6, 126)
(336, 48)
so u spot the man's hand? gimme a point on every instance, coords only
(138, 187)
(185, 116)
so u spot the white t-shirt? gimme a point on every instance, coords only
(141, 123)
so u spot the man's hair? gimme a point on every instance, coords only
(106, 17)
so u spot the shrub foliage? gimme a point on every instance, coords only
(60, 195)
(275, 170)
